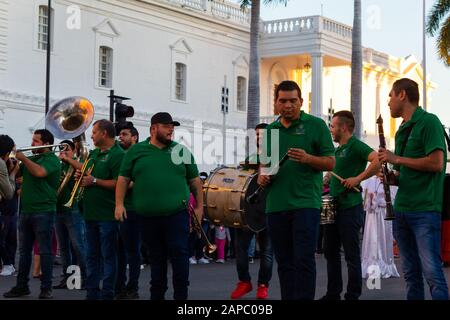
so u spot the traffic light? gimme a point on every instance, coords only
(224, 99)
(122, 112)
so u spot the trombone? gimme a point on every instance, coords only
(61, 146)
(209, 247)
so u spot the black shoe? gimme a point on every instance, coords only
(132, 295)
(121, 294)
(17, 292)
(330, 298)
(61, 285)
(46, 294)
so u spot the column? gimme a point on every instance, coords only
(316, 85)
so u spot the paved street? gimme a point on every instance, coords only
(216, 281)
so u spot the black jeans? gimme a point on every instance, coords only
(167, 238)
(345, 232)
(8, 239)
(129, 253)
(294, 239)
(243, 238)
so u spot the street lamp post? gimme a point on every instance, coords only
(49, 37)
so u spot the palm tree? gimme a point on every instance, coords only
(253, 83)
(439, 20)
(357, 68)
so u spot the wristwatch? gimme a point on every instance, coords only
(94, 182)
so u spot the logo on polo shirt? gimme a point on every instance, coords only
(299, 130)
(342, 153)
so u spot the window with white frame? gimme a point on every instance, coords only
(105, 67)
(180, 81)
(43, 28)
(241, 94)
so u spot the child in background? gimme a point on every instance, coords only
(222, 235)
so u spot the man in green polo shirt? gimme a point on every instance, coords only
(351, 156)
(129, 252)
(41, 173)
(102, 229)
(70, 226)
(419, 160)
(164, 173)
(294, 193)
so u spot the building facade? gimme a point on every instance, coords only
(176, 56)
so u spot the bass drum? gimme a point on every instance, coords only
(224, 194)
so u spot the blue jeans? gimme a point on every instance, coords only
(35, 226)
(294, 238)
(102, 237)
(418, 237)
(8, 239)
(243, 240)
(129, 253)
(167, 238)
(71, 230)
(345, 231)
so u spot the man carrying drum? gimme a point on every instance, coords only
(351, 161)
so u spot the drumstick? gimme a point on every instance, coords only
(340, 179)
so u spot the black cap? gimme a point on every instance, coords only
(164, 118)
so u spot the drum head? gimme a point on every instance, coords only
(255, 216)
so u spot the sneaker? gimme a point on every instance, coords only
(46, 294)
(251, 260)
(142, 266)
(220, 261)
(8, 270)
(192, 261)
(262, 292)
(203, 261)
(241, 290)
(17, 292)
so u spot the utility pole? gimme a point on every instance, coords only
(424, 58)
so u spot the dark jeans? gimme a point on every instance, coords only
(8, 239)
(102, 237)
(294, 238)
(39, 227)
(344, 231)
(129, 253)
(418, 236)
(71, 230)
(243, 237)
(167, 238)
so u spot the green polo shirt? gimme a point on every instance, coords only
(297, 185)
(66, 192)
(160, 177)
(99, 203)
(128, 202)
(420, 191)
(39, 194)
(351, 160)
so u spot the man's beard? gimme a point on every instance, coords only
(162, 139)
(125, 145)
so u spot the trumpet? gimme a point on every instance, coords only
(77, 191)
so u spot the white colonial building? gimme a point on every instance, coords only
(175, 56)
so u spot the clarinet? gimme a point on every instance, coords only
(254, 197)
(387, 191)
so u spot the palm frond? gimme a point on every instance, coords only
(276, 2)
(245, 4)
(443, 43)
(439, 10)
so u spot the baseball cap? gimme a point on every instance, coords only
(164, 118)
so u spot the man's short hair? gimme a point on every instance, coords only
(261, 126)
(46, 136)
(6, 144)
(287, 85)
(346, 117)
(106, 125)
(411, 89)
(133, 130)
(70, 143)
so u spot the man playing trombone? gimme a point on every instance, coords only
(41, 173)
